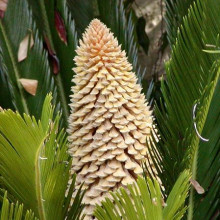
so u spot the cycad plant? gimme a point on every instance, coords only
(98, 150)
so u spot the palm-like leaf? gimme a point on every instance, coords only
(10, 211)
(37, 152)
(61, 50)
(186, 80)
(192, 157)
(192, 76)
(61, 45)
(144, 201)
(208, 164)
(176, 10)
(82, 12)
(208, 156)
(35, 66)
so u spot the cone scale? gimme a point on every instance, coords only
(110, 119)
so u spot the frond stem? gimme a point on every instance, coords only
(191, 195)
(38, 183)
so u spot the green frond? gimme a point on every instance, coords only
(188, 73)
(38, 153)
(175, 206)
(144, 201)
(74, 212)
(192, 77)
(11, 211)
(208, 166)
(82, 11)
(64, 52)
(61, 51)
(176, 10)
(191, 156)
(35, 66)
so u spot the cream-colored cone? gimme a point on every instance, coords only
(110, 119)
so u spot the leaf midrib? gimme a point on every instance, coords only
(197, 139)
(39, 191)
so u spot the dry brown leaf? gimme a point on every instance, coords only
(23, 47)
(30, 85)
(199, 189)
(60, 26)
(3, 5)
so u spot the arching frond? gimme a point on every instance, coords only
(176, 10)
(10, 211)
(38, 154)
(144, 201)
(192, 77)
(58, 30)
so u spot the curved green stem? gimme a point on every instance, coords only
(39, 192)
(191, 195)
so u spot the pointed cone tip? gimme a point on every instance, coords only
(96, 22)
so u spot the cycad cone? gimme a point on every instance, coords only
(109, 120)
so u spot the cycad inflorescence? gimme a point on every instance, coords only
(109, 120)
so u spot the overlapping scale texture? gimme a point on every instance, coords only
(110, 119)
